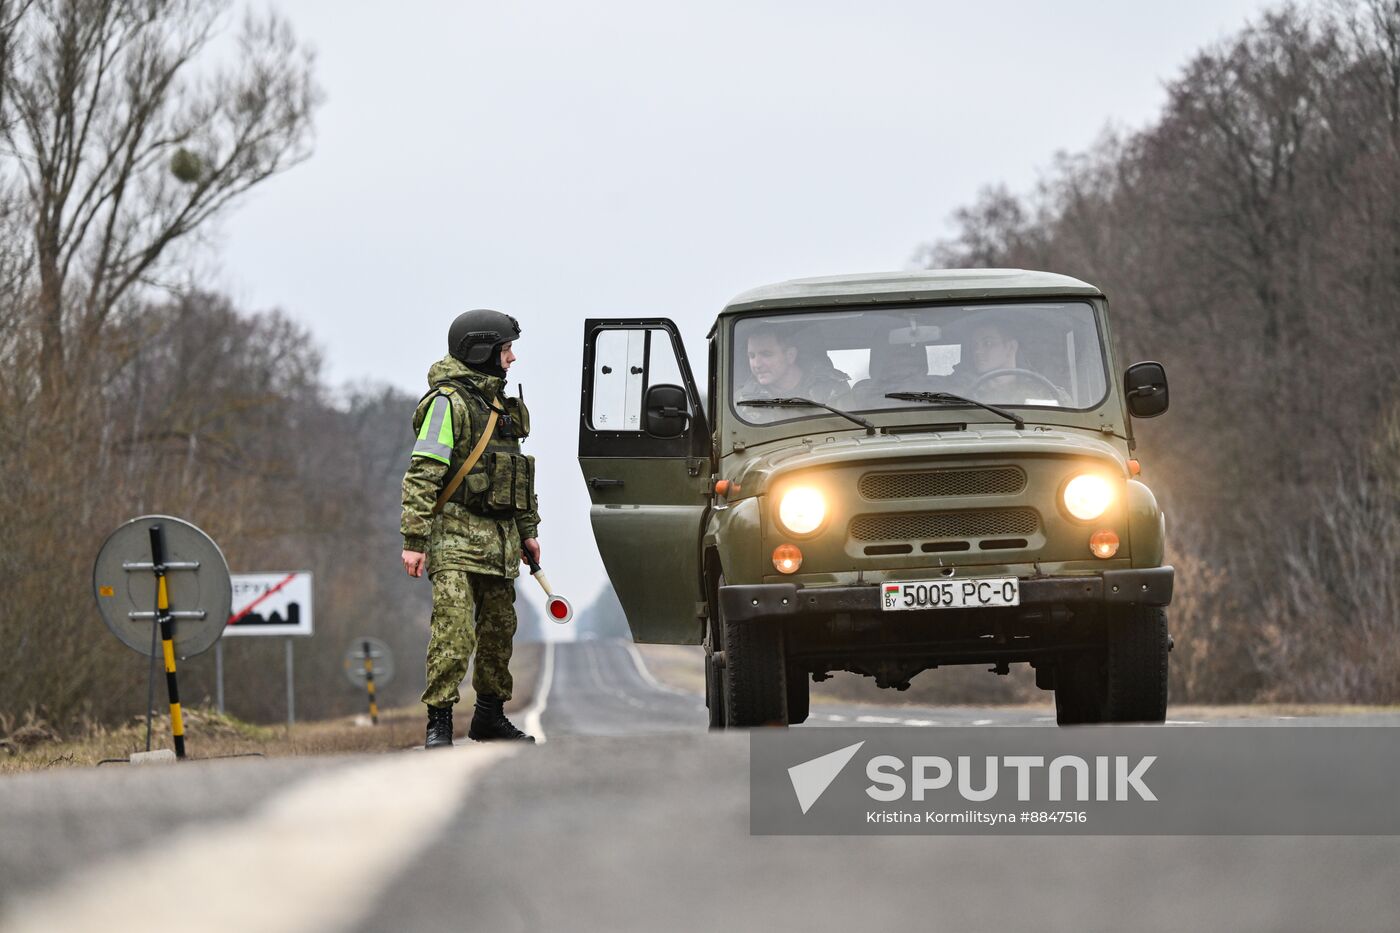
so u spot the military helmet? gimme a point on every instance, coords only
(475, 335)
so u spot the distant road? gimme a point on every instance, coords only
(630, 816)
(603, 688)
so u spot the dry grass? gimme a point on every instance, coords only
(209, 734)
(34, 745)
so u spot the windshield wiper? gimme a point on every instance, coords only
(808, 403)
(950, 397)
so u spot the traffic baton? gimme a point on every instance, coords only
(557, 607)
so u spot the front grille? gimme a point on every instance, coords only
(999, 481)
(926, 526)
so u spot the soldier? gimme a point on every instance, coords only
(993, 346)
(777, 371)
(470, 526)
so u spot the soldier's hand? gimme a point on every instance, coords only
(533, 546)
(413, 563)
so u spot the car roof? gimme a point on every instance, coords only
(921, 285)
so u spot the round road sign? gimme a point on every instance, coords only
(196, 578)
(379, 655)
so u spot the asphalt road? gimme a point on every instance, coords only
(629, 816)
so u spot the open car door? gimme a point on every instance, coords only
(643, 446)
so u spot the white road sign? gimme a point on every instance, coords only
(270, 604)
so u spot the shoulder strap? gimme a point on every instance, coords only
(466, 466)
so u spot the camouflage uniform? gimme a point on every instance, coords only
(817, 384)
(473, 558)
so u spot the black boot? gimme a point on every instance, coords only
(439, 727)
(490, 722)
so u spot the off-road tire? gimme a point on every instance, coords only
(799, 696)
(1136, 669)
(755, 685)
(1079, 690)
(714, 684)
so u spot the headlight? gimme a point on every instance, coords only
(801, 510)
(1088, 496)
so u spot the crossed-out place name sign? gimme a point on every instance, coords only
(271, 604)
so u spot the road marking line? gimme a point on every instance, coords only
(647, 675)
(316, 856)
(982, 722)
(604, 685)
(535, 710)
(880, 719)
(920, 722)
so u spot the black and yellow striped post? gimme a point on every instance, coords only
(167, 638)
(369, 685)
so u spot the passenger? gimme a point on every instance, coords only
(777, 372)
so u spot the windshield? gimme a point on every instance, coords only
(1045, 355)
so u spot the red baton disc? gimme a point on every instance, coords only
(559, 609)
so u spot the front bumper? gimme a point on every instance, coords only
(1150, 586)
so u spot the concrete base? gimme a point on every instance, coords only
(160, 756)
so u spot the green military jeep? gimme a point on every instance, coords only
(895, 472)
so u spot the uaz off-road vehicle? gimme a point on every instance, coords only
(896, 472)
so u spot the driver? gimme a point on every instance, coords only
(992, 348)
(991, 369)
(777, 373)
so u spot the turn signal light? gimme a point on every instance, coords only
(1104, 544)
(787, 558)
(724, 487)
(1134, 468)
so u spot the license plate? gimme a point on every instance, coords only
(951, 594)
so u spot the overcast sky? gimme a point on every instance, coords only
(563, 160)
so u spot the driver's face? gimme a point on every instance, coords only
(770, 363)
(992, 350)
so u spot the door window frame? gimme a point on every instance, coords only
(694, 443)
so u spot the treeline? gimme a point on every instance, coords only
(221, 418)
(125, 390)
(1250, 240)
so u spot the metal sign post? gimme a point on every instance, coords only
(219, 676)
(273, 604)
(369, 686)
(291, 690)
(167, 637)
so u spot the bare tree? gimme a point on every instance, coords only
(1250, 239)
(127, 136)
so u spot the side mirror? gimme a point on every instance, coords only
(1145, 389)
(665, 411)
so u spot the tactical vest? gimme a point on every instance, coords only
(502, 483)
